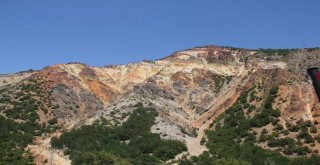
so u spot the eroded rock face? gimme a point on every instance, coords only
(88, 73)
(191, 81)
(73, 104)
(189, 88)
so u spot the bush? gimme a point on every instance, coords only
(308, 123)
(276, 113)
(294, 128)
(264, 131)
(53, 121)
(313, 129)
(309, 139)
(302, 150)
(281, 142)
(274, 121)
(278, 127)
(263, 138)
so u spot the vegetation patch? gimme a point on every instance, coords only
(234, 141)
(132, 142)
(19, 122)
(281, 52)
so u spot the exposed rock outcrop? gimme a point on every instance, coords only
(190, 88)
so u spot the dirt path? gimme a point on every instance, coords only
(194, 146)
(43, 152)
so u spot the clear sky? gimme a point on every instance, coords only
(38, 33)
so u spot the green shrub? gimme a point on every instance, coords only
(264, 131)
(276, 113)
(278, 127)
(313, 129)
(53, 121)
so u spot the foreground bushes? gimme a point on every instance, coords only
(132, 142)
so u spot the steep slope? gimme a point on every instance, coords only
(190, 89)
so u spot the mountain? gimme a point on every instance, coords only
(264, 94)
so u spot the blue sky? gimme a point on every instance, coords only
(38, 33)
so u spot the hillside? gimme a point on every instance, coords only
(200, 100)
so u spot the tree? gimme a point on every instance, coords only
(53, 121)
(276, 113)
